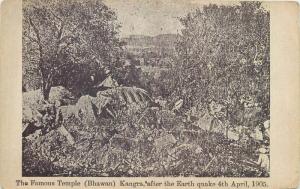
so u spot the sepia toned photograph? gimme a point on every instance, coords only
(144, 88)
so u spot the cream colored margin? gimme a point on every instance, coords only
(285, 100)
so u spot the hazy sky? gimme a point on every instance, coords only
(153, 17)
(149, 17)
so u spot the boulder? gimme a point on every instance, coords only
(64, 113)
(87, 109)
(257, 134)
(204, 122)
(31, 115)
(165, 142)
(101, 102)
(58, 93)
(217, 126)
(233, 134)
(34, 106)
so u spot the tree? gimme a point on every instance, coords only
(62, 39)
(223, 54)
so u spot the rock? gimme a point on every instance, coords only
(233, 134)
(34, 107)
(60, 93)
(267, 124)
(62, 130)
(35, 98)
(267, 128)
(101, 102)
(109, 82)
(31, 115)
(217, 126)
(87, 108)
(178, 105)
(165, 142)
(64, 113)
(204, 122)
(257, 134)
(32, 99)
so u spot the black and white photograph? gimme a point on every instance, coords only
(145, 88)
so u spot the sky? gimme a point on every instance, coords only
(149, 17)
(154, 17)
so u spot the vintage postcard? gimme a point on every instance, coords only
(149, 94)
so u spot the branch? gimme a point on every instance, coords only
(54, 14)
(209, 163)
(59, 39)
(255, 56)
(36, 31)
(31, 39)
(60, 31)
(59, 67)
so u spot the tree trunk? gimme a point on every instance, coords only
(46, 91)
(46, 86)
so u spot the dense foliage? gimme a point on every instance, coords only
(223, 54)
(64, 43)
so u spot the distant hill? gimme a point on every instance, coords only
(143, 41)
